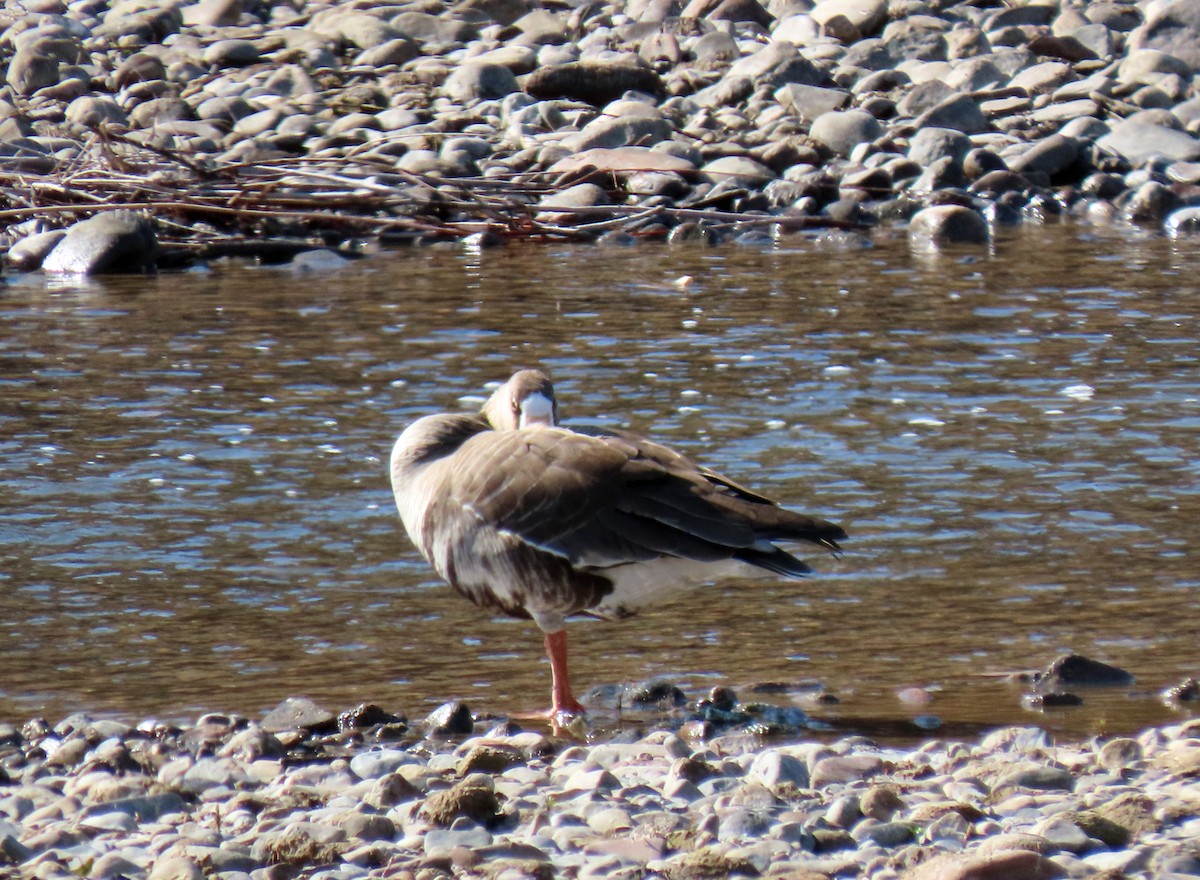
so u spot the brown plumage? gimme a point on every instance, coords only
(536, 520)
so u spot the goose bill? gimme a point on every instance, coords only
(536, 410)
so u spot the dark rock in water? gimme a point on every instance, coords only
(1187, 690)
(451, 719)
(1075, 670)
(363, 716)
(320, 260)
(1185, 221)
(112, 241)
(776, 720)
(596, 82)
(947, 224)
(300, 713)
(698, 233)
(655, 693)
(1051, 700)
(28, 253)
(722, 698)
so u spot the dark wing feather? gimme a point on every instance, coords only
(770, 521)
(606, 500)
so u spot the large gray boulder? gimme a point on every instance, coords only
(114, 241)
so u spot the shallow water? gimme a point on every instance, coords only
(195, 515)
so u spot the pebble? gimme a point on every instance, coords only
(771, 807)
(760, 100)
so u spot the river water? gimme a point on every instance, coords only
(195, 513)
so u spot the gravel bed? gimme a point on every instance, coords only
(342, 123)
(304, 793)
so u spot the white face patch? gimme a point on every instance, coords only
(536, 409)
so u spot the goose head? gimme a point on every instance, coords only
(524, 401)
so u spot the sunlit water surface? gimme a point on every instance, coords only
(195, 514)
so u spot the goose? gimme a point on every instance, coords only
(536, 520)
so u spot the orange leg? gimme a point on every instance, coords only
(564, 702)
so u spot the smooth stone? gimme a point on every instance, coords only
(975, 74)
(541, 26)
(809, 102)
(799, 29)
(743, 824)
(299, 713)
(1139, 143)
(947, 224)
(1173, 28)
(1185, 221)
(776, 64)
(715, 48)
(844, 768)
(223, 110)
(157, 110)
(881, 802)
(175, 868)
(27, 255)
(621, 160)
(864, 16)
(30, 70)
(212, 13)
(885, 834)
(519, 59)
(110, 241)
(738, 170)
(842, 130)
(149, 808)
(1062, 833)
(392, 53)
(1065, 111)
(480, 81)
(92, 111)
(1010, 865)
(1086, 129)
(440, 842)
(1044, 77)
(369, 826)
(774, 768)
(231, 53)
(958, 112)
(1049, 156)
(919, 37)
(1036, 776)
(626, 131)
(112, 865)
(930, 144)
(1073, 670)
(596, 82)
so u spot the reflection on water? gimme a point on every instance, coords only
(194, 511)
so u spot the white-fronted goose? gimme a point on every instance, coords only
(540, 521)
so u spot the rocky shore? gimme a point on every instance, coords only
(270, 128)
(305, 793)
